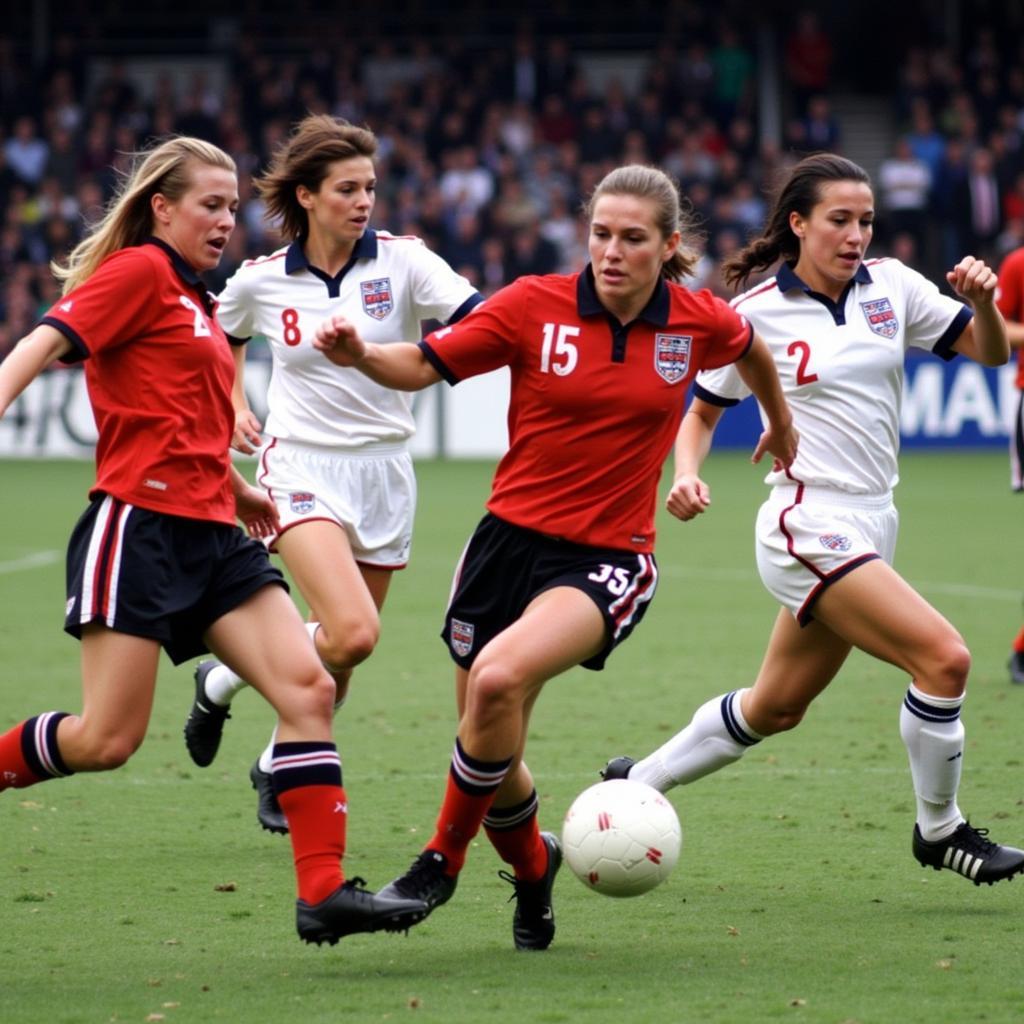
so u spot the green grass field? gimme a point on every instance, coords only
(151, 894)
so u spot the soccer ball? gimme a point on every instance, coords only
(621, 837)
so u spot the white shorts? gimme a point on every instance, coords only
(370, 492)
(809, 537)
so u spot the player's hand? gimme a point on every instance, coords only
(688, 498)
(257, 511)
(782, 442)
(339, 340)
(246, 438)
(974, 280)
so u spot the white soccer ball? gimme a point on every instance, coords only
(621, 837)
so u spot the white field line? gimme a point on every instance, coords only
(34, 561)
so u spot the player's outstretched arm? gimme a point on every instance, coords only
(984, 339)
(401, 365)
(757, 368)
(28, 359)
(689, 495)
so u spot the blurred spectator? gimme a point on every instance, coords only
(808, 59)
(466, 186)
(733, 67)
(26, 152)
(904, 190)
(530, 253)
(976, 206)
(820, 128)
(925, 141)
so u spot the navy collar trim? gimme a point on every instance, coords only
(184, 270)
(588, 304)
(787, 279)
(364, 249)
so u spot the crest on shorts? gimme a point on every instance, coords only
(672, 356)
(377, 300)
(302, 502)
(835, 541)
(881, 317)
(462, 637)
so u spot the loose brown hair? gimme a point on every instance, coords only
(316, 142)
(800, 193)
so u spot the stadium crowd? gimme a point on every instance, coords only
(490, 160)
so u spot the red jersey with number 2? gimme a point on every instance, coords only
(594, 406)
(159, 372)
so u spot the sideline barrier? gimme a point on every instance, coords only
(945, 405)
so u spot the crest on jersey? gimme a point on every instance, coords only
(881, 317)
(302, 502)
(462, 637)
(672, 356)
(377, 300)
(835, 541)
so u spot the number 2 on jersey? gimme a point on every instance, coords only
(802, 376)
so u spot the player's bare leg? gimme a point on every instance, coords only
(559, 629)
(264, 640)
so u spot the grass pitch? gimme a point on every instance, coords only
(151, 894)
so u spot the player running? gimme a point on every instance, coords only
(561, 568)
(157, 559)
(839, 328)
(335, 460)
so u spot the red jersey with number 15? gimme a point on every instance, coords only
(159, 372)
(595, 405)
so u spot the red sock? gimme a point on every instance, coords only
(316, 824)
(1018, 644)
(29, 754)
(515, 834)
(307, 781)
(472, 784)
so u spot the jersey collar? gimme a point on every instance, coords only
(588, 304)
(185, 271)
(788, 281)
(364, 249)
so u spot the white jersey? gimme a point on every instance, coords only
(387, 289)
(841, 367)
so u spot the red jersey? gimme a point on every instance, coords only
(1010, 299)
(159, 372)
(595, 405)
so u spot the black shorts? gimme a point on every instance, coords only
(504, 567)
(158, 576)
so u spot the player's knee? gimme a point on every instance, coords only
(105, 753)
(493, 687)
(345, 648)
(313, 693)
(951, 666)
(778, 719)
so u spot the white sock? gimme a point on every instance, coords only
(267, 757)
(934, 737)
(717, 735)
(222, 684)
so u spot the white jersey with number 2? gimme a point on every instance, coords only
(841, 367)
